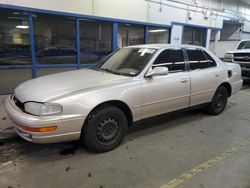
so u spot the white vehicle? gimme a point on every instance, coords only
(137, 82)
(241, 56)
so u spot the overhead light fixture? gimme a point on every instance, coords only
(190, 15)
(22, 26)
(157, 30)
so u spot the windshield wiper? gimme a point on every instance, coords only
(95, 68)
(110, 71)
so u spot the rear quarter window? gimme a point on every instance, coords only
(211, 61)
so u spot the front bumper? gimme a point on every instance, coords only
(245, 69)
(68, 127)
(245, 72)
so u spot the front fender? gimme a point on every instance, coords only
(83, 102)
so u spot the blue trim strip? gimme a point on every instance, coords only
(145, 34)
(195, 26)
(32, 46)
(8, 93)
(83, 16)
(56, 65)
(182, 31)
(6, 67)
(169, 35)
(232, 22)
(114, 36)
(88, 65)
(205, 38)
(78, 43)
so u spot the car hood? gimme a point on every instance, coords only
(48, 87)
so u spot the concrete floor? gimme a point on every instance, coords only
(160, 150)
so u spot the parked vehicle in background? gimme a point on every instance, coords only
(241, 56)
(97, 105)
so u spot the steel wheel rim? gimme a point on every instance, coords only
(108, 131)
(219, 101)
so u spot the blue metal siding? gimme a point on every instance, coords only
(32, 46)
(145, 34)
(114, 36)
(78, 47)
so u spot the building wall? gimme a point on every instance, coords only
(200, 12)
(82, 30)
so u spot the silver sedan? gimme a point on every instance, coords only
(96, 105)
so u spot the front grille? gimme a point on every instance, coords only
(241, 54)
(243, 57)
(18, 103)
(246, 65)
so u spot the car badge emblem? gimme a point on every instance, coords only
(246, 58)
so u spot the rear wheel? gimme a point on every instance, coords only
(105, 129)
(219, 101)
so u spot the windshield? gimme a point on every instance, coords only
(244, 45)
(127, 61)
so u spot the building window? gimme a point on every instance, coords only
(55, 39)
(130, 35)
(95, 40)
(231, 31)
(11, 78)
(157, 35)
(14, 38)
(193, 36)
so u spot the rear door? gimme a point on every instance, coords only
(205, 75)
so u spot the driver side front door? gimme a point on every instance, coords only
(166, 93)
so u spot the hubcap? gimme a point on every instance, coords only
(107, 131)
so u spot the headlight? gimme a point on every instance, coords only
(228, 57)
(42, 109)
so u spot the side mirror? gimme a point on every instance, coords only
(157, 71)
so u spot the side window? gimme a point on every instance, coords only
(173, 59)
(211, 61)
(197, 59)
(242, 45)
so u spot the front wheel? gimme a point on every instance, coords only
(219, 101)
(105, 129)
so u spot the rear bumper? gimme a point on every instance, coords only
(68, 128)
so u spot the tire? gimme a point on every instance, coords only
(219, 101)
(105, 129)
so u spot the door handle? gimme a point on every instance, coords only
(184, 80)
(217, 75)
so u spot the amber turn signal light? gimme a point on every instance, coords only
(39, 129)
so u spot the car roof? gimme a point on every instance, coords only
(163, 46)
